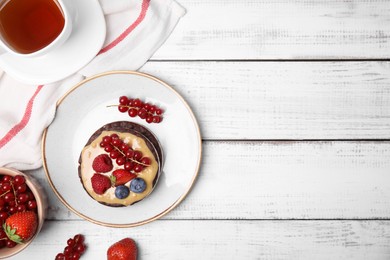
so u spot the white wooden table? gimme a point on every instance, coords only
(293, 101)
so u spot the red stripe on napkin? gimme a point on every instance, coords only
(144, 9)
(22, 124)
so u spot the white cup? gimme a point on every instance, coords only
(64, 6)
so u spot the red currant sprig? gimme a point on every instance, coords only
(74, 249)
(123, 154)
(135, 107)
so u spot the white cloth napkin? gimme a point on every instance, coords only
(135, 30)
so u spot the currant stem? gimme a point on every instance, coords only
(122, 106)
(13, 189)
(129, 107)
(131, 159)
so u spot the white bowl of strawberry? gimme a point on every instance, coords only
(22, 211)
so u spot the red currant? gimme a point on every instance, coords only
(10, 244)
(19, 179)
(114, 136)
(129, 154)
(138, 168)
(117, 142)
(75, 256)
(121, 160)
(30, 195)
(147, 106)
(9, 197)
(149, 119)
(3, 216)
(7, 178)
(80, 248)
(108, 148)
(21, 188)
(23, 197)
(157, 119)
(137, 102)
(129, 166)
(70, 242)
(12, 210)
(114, 154)
(122, 109)
(137, 155)
(60, 256)
(68, 250)
(31, 204)
(6, 186)
(159, 111)
(133, 112)
(107, 139)
(3, 234)
(79, 238)
(21, 208)
(123, 100)
(146, 161)
(124, 147)
(142, 113)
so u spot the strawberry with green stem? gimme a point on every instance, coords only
(21, 226)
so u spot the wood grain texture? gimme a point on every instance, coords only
(282, 180)
(259, 194)
(284, 100)
(283, 29)
(225, 240)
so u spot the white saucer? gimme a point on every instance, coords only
(87, 38)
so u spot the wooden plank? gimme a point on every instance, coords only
(225, 240)
(284, 100)
(282, 180)
(230, 29)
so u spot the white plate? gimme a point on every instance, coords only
(86, 39)
(84, 110)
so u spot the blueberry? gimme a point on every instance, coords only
(137, 185)
(122, 192)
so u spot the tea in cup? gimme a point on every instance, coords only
(33, 27)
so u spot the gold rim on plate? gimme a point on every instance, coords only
(166, 211)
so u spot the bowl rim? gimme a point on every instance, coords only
(41, 209)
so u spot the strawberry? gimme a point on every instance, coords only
(124, 249)
(100, 183)
(120, 177)
(102, 163)
(21, 226)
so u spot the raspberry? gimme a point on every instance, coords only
(102, 163)
(100, 183)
